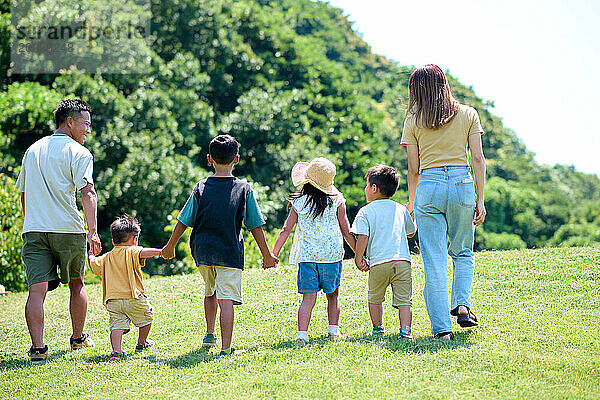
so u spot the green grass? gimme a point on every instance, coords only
(539, 338)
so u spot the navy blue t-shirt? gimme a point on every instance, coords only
(216, 210)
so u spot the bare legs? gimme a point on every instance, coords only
(34, 310)
(77, 306)
(226, 318)
(308, 303)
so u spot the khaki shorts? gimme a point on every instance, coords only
(226, 282)
(398, 274)
(123, 312)
(45, 254)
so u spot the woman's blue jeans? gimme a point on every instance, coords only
(444, 207)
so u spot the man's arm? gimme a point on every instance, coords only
(169, 250)
(478, 160)
(413, 175)
(90, 206)
(359, 253)
(23, 202)
(269, 260)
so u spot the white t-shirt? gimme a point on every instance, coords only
(386, 223)
(317, 240)
(53, 169)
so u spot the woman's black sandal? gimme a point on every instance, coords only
(38, 354)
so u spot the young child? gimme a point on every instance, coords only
(319, 211)
(215, 211)
(382, 228)
(122, 288)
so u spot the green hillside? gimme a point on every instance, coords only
(290, 80)
(539, 339)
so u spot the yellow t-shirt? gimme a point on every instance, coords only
(447, 145)
(121, 271)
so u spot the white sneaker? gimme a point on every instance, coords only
(337, 335)
(300, 342)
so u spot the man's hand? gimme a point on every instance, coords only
(270, 261)
(167, 252)
(480, 213)
(365, 264)
(94, 241)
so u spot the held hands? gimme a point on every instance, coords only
(363, 265)
(269, 261)
(94, 241)
(410, 209)
(167, 252)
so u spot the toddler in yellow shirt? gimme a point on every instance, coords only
(122, 287)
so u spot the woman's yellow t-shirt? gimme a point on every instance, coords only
(447, 145)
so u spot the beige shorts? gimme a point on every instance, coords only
(226, 282)
(125, 311)
(398, 274)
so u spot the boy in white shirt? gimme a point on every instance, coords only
(382, 228)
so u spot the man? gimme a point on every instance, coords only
(53, 169)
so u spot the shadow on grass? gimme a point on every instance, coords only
(194, 357)
(21, 362)
(417, 345)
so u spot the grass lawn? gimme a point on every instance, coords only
(539, 338)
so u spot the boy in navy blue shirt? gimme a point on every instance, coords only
(216, 210)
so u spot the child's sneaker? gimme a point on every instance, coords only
(405, 334)
(336, 335)
(378, 330)
(115, 355)
(209, 340)
(231, 351)
(38, 355)
(142, 347)
(300, 342)
(83, 341)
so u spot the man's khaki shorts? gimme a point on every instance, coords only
(43, 252)
(226, 282)
(123, 312)
(398, 274)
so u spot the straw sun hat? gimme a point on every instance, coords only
(319, 172)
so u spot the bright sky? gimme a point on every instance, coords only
(537, 60)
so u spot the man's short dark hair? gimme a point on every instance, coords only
(385, 177)
(123, 228)
(69, 108)
(223, 149)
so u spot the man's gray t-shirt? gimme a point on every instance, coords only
(386, 223)
(53, 169)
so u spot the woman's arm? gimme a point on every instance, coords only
(345, 226)
(478, 160)
(413, 175)
(285, 231)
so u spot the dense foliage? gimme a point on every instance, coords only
(290, 80)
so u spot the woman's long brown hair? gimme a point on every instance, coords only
(430, 98)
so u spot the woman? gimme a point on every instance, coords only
(437, 131)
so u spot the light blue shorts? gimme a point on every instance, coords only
(313, 277)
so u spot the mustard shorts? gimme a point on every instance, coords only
(397, 274)
(225, 282)
(123, 312)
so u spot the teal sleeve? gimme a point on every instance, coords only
(252, 216)
(187, 216)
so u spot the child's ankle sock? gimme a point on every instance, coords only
(333, 330)
(303, 335)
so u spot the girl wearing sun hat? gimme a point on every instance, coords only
(319, 213)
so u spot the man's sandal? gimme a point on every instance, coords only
(38, 355)
(83, 341)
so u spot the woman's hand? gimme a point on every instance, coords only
(480, 213)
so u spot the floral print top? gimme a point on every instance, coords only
(317, 239)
